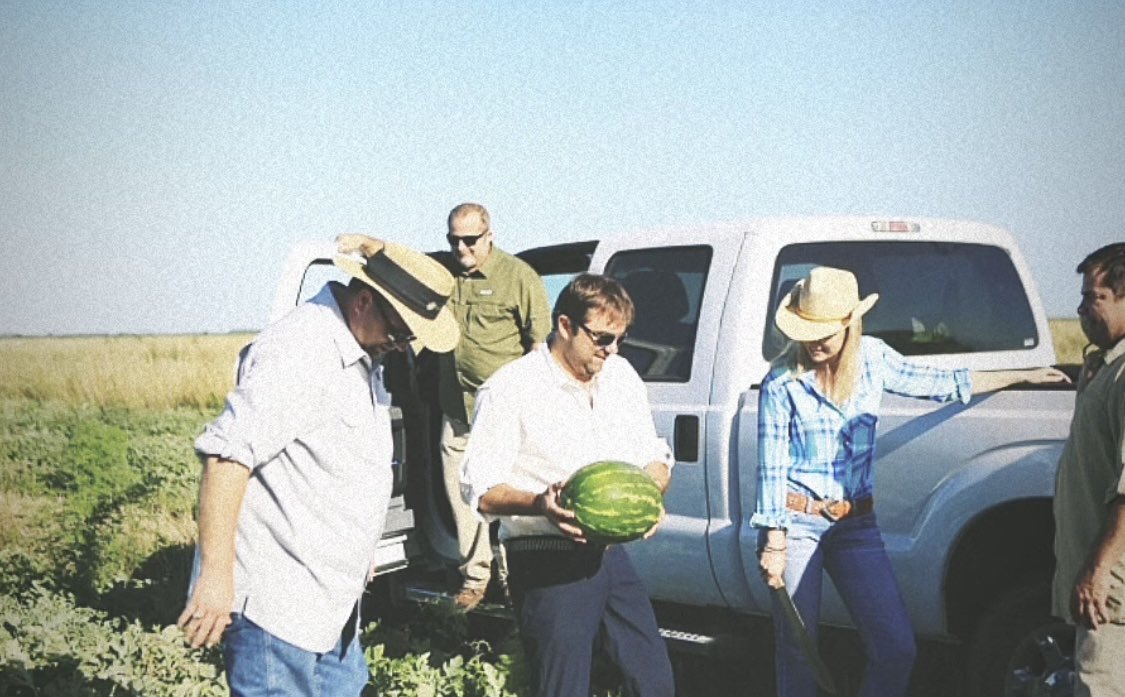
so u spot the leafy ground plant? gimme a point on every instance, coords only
(96, 521)
(428, 650)
(52, 647)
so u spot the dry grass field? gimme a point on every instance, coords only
(151, 372)
(156, 372)
(1069, 340)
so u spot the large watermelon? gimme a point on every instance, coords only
(613, 501)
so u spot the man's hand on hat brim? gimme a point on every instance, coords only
(359, 244)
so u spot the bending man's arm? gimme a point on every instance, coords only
(207, 612)
(1092, 588)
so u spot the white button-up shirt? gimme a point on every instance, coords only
(310, 419)
(536, 425)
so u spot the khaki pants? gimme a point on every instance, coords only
(472, 534)
(1099, 657)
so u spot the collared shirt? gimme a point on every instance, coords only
(536, 425)
(310, 419)
(1090, 473)
(810, 446)
(501, 308)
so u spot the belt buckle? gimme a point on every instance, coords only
(829, 510)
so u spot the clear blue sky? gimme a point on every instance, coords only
(158, 160)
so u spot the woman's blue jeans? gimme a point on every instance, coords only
(852, 553)
(261, 665)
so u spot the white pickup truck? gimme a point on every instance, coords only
(963, 492)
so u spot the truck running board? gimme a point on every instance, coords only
(717, 646)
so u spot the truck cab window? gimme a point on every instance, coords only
(666, 285)
(934, 298)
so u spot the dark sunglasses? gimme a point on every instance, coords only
(469, 240)
(400, 338)
(603, 339)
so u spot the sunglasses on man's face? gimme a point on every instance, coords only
(603, 339)
(469, 240)
(400, 337)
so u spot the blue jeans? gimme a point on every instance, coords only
(261, 665)
(852, 553)
(565, 601)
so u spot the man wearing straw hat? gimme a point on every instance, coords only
(818, 409)
(297, 477)
(500, 305)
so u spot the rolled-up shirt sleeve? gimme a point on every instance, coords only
(493, 448)
(773, 456)
(660, 452)
(911, 379)
(641, 428)
(261, 416)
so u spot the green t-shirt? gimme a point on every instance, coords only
(502, 310)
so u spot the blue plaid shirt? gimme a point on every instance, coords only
(808, 445)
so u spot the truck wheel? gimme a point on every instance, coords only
(1020, 650)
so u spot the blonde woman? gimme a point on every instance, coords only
(818, 409)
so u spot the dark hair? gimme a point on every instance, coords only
(357, 286)
(590, 292)
(1110, 261)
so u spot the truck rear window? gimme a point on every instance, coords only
(934, 297)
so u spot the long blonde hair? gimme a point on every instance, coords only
(847, 370)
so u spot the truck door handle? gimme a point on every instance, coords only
(685, 438)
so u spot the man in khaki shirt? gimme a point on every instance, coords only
(1090, 486)
(501, 307)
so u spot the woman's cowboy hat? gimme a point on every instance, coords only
(416, 286)
(821, 304)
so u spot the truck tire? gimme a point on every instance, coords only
(1020, 650)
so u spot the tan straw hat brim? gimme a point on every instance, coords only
(800, 327)
(439, 334)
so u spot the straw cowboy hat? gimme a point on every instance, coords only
(821, 304)
(416, 286)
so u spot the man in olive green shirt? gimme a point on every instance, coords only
(1090, 486)
(501, 307)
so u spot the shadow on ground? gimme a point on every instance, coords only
(156, 592)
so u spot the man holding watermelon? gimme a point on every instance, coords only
(540, 420)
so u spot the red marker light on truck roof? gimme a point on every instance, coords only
(894, 226)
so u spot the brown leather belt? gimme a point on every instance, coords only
(832, 510)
